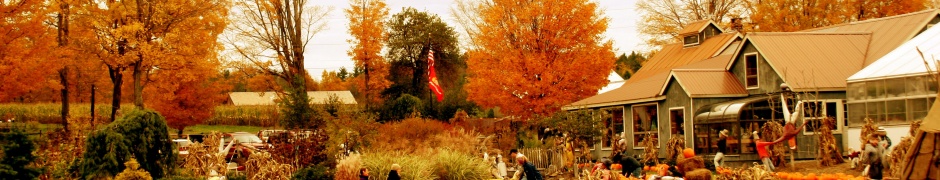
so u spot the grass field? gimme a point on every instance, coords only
(206, 129)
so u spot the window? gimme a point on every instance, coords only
(677, 121)
(915, 85)
(747, 140)
(875, 111)
(918, 108)
(614, 125)
(896, 111)
(750, 72)
(706, 138)
(875, 89)
(645, 121)
(815, 111)
(691, 40)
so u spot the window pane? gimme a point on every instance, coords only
(703, 143)
(832, 110)
(856, 91)
(875, 89)
(894, 88)
(918, 108)
(931, 86)
(916, 85)
(896, 111)
(810, 109)
(676, 117)
(616, 121)
(747, 144)
(856, 113)
(645, 121)
(876, 111)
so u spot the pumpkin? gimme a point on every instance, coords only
(616, 167)
(688, 152)
(810, 176)
(646, 168)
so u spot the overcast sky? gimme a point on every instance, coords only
(327, 50)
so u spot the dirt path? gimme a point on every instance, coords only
(806, 167)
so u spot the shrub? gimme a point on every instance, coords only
(413, 166)
(313, 172)
(409, 135)
(456, 165)
(404, 106)
(133, 172)
(17, 154)
(300, 152)
(141, 134)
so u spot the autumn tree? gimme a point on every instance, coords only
(188, 96)
(626, 66)
(273, 36)
(145, 35)
(411, 34)
(331, 81)
(663, 19)
(532, 57)
(795, 15)
(24, 44)
(367, 27)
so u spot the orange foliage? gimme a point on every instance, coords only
(24, 44)
(367, 26)
(532, 57)
(795, 15)
(409, 135)
(330, 81)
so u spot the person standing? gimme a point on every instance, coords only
(394, 173)
(722, 145)
(518, 168)
(874, 151)
(762, 151)
(529, 170)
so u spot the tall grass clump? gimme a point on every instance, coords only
(456, 165)
(348, 167)
(413, 166)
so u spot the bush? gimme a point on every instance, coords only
(17, 155)
(141, 134)
(236, 176)
(413, 166)
(133, 172)
(409, 135)
(456, 165)
(313, 172)
(404, 106)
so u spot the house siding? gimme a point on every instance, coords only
(676, 97)
(768, 80)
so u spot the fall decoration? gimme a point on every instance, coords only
(828, 151)
(650, 153)
(674, 147)
(771, 131)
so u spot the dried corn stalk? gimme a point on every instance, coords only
(261, 165)
(770, 132)
(896, 157)
(674, 148)
(867, 129)
(828, 152)
(651, 153)
(756, 172)
(204, 157)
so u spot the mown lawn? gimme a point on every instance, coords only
(206, 129)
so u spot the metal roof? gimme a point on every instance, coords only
(699, 83)
(713, 63)
(268, 98)
(813, 61)
(887, 32)
(656, 71)
(695, 27)
(614, 82)
(905, 60)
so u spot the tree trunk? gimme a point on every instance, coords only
(93, 105)
(116, 79)
(63, 76)
(138, 85)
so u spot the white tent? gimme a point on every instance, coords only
(615, 81)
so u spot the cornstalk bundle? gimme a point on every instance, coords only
(651, 153)
(896, 157)
(674, 147)
(867, 129)
(205, 157)
(754, 172)
(261, 165)
(828, 153)
(770, 132)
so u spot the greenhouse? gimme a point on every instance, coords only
(896, 89)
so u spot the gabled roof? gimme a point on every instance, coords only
(268, 98)
(887, 32)
(812, 61)
(614, 82)
(905, 60)
(656, 71)
(707, 83)
(696, 27)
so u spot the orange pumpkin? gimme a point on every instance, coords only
(646, 168)
(616, 167)
(688, 152)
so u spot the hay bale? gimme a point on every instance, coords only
(690, 164)
(699, 174)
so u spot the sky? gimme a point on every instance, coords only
(327, 50)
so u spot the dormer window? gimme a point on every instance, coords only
(691, 40)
